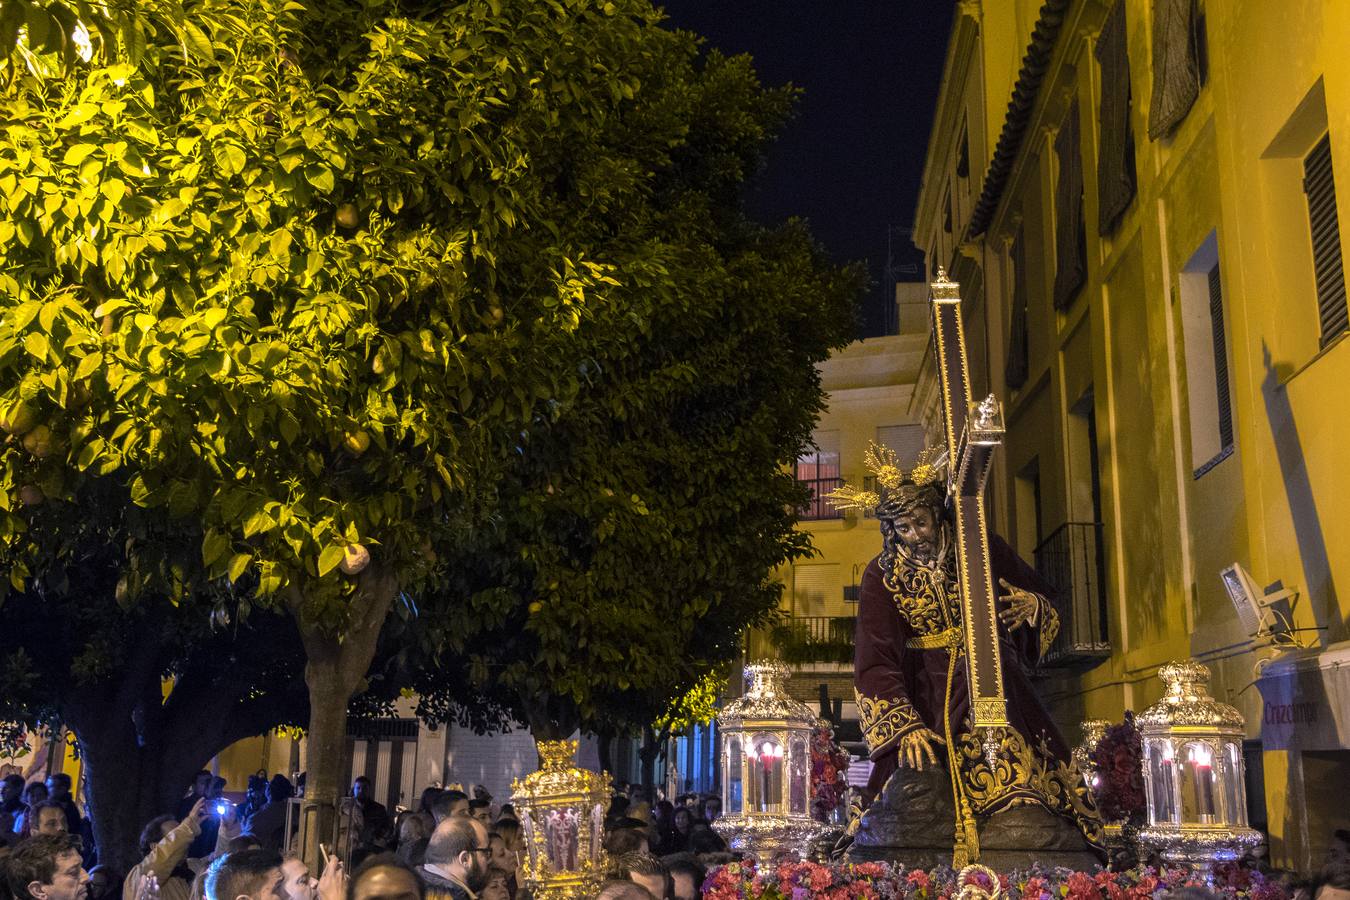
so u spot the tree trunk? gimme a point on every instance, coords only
(128, 785)
(336, 663)
(647, 753)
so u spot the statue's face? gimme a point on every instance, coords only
(917, 528)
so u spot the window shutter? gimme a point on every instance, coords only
(1320, 186)
(1176, 71)
(817, 590)
(1070, 235)
(1220, 359)
(1016, 368)
(1115, 162)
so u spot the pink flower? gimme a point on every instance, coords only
(1081, 886)
(919, 878)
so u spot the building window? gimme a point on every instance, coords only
(1320, 187)
(963, 154)
(819, 471)
(1206, 348)
(817, 590)
(1070, 234)
(1115, 161)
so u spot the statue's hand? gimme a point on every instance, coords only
(917, 745)
(1022, 605)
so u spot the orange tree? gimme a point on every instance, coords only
(631, 541)
(320, 285)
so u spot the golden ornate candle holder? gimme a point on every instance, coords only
(562, 819)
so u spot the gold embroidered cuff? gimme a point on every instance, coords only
(1049, 617)
(885, 721)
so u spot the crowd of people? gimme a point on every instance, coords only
(455, 845)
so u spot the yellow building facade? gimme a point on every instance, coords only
(1139, 200)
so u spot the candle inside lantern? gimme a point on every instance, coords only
(1200, 758)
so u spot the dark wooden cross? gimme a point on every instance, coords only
(973, 431)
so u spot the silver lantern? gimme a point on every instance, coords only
(1194, 773)
(766, 768)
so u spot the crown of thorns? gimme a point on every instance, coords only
(893, 482)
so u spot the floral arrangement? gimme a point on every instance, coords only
(829, 770)
(881, 881)
(1119, 761)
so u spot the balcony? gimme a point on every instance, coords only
(819, 506)
(805, 641)
(1071, 560)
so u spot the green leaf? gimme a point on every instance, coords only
(238, 564)
(36, 344)
(329, 559)
(214, 546)
(321, 177)
(88, 366)
(197, 41)
(76, 154)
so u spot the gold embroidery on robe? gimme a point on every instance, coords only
(1021, 775)
(885, 720)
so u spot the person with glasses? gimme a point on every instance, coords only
(458, 858)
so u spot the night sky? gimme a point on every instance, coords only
(850, 163)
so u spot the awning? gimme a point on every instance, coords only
(1307, 702)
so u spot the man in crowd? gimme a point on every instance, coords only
(481, 810)
(627, 836)
(623, 890)
(254, 799)
(375, 818)
(50, 818)
(448, 804)
(457, 859)
(385, 877)
(686, 877)
(269, 822)
(47, 867)
(58, 791)
(648, 871)
(201, 786)
(249, 875)
(11, 802)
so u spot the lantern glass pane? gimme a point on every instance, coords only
(764, 793)
(560, 838)
(801, 772)
(735, 796)
(1161, 782)
(1199, 790)
(596, 836)
(1234, 784)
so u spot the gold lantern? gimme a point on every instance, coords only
(766, 768)
(1194, 772)
(562, 819)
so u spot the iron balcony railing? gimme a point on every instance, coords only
(819, 506)
(1071, 560)
(805, 640)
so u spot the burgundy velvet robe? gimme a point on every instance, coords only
(901, 688)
